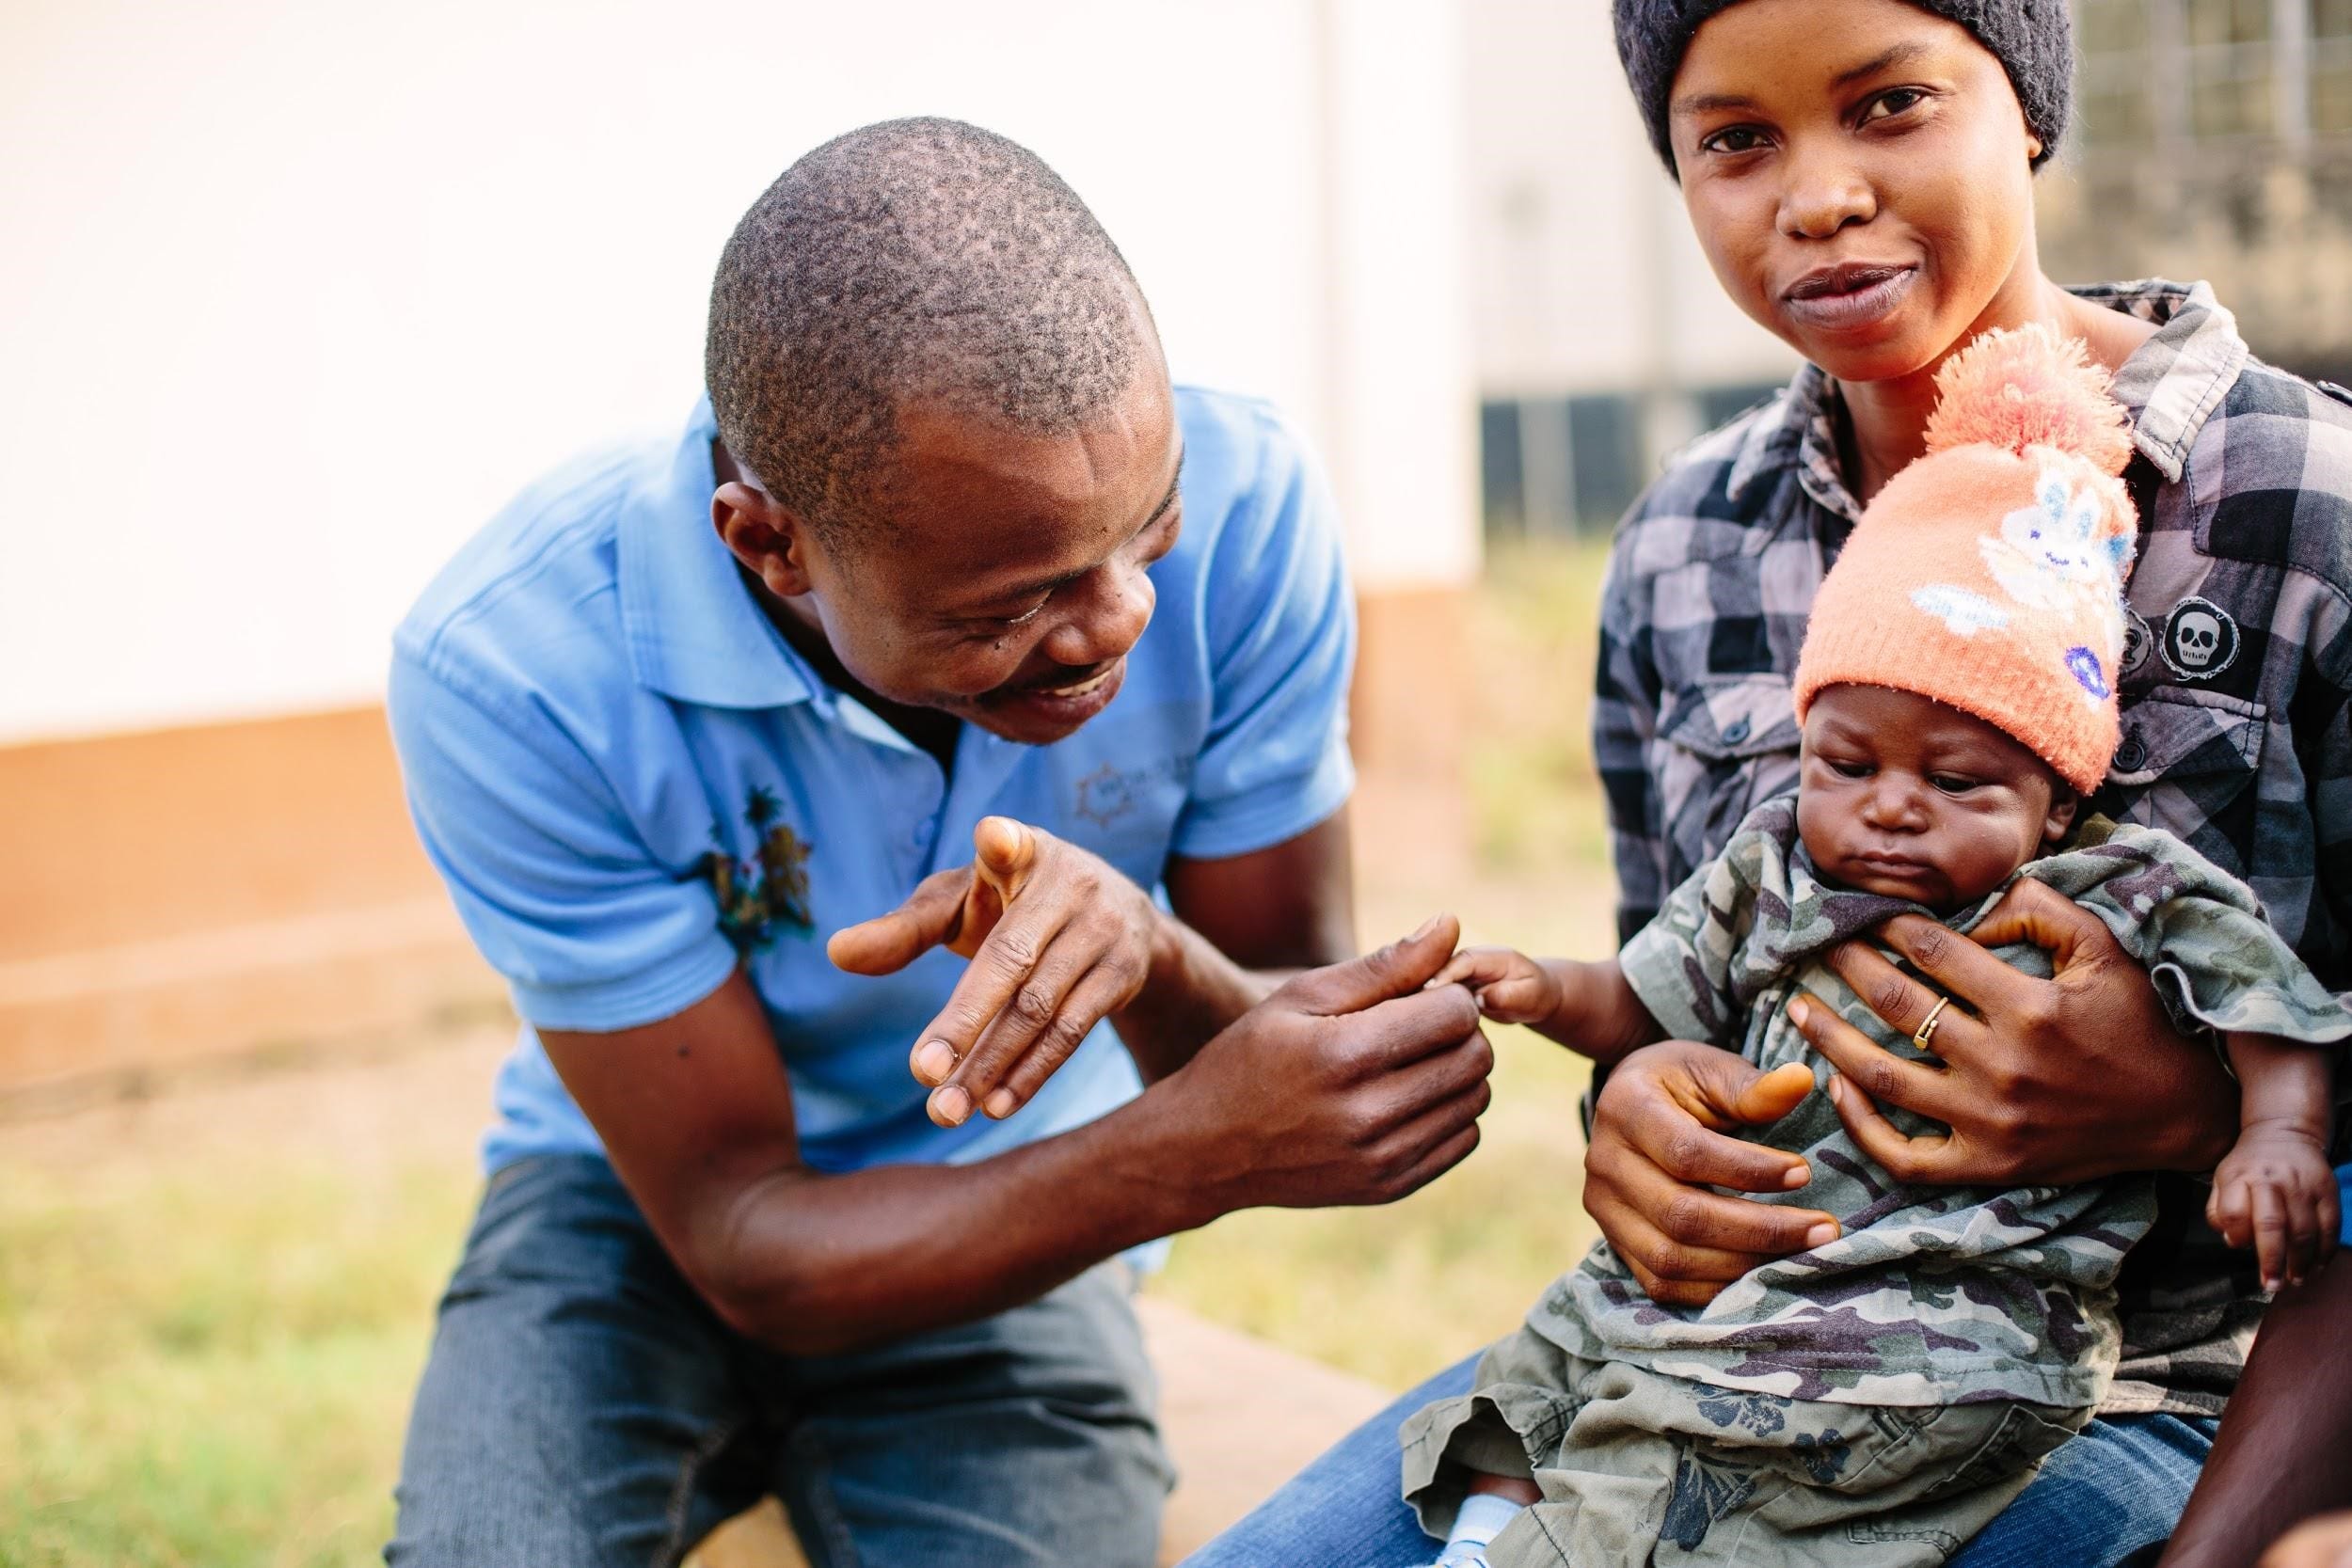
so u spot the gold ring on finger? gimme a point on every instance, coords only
(1926, 1030)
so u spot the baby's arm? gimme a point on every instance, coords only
(1587, 1007)
(2274, 1191)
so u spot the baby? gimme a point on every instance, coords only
(1878, 1400)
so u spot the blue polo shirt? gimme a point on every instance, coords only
(634, 787)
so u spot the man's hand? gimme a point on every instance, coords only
(2045, 1083)
(1058, 941)
(1351, 1083)
(1660, 1141)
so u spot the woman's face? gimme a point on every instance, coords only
(1860, 175)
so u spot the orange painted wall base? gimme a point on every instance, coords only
(175, 895)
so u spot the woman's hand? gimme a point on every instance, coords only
(2045, 1083)
(1661, 1140)
(1059, 941)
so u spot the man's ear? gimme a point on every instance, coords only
(2064, 803)
(770, 542)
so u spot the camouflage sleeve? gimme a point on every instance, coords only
(1684, 962)
(2201, 936)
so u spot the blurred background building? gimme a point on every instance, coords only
(297, 295)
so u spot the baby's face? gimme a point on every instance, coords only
(1903, 795)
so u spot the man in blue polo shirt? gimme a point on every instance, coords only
(783, 1193)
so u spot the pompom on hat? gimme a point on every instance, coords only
(1989, 573)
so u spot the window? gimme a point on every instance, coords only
(2331, 65)
(2115, 78)
(2230, 63)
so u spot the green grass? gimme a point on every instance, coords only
(210, 1365)
(211, 1371)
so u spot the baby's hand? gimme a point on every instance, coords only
(1511, 986)
(2275, 1194)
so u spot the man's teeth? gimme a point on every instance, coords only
(1080, 689)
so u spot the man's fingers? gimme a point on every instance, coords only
(1006, 853)
(1397, 970)
(1036, 1009)
(998, 972)
(930, 918)
(1097, 994)
(1444, 1157)
(1881, 1073)
(1907, 1159)
(1094, 997)
(1393, 1034)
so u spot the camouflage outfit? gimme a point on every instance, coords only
(1880, 1399)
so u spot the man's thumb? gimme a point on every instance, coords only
(1003, 850)
(1400, 969)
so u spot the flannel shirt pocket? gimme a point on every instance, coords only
(2176, 734)
(1729, 743)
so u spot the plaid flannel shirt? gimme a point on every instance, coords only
(2237, 693)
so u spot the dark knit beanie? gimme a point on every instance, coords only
(2034, 41)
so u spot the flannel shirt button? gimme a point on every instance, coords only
(1736, 730)
(2130, 756)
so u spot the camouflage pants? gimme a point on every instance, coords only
(1638, 1469)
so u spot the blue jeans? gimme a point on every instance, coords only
(584, 1405)
(2108, 1498)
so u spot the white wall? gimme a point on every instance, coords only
(1585, 276)
(292, 295)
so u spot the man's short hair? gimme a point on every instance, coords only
(913, 260)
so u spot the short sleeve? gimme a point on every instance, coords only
(1681, 964)
(555, 886)
(1280, 620)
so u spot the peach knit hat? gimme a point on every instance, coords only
(1989, 573)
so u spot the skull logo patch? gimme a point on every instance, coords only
(2199, 639)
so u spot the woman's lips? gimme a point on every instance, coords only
(1839, 299)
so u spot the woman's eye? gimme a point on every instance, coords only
(1735, 139)
(1886, 105)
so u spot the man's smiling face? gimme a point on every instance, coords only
(1859, 174)
(1002, 576)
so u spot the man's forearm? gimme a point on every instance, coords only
(815, 1264)
(1194, 992)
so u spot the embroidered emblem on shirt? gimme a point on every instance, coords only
(1109, 793)
(761, 898)
(2199, 639)
(1104, 795)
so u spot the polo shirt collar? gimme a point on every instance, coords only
(695, 632)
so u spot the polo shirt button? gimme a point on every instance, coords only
(2130, 756)
(1736, 730)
